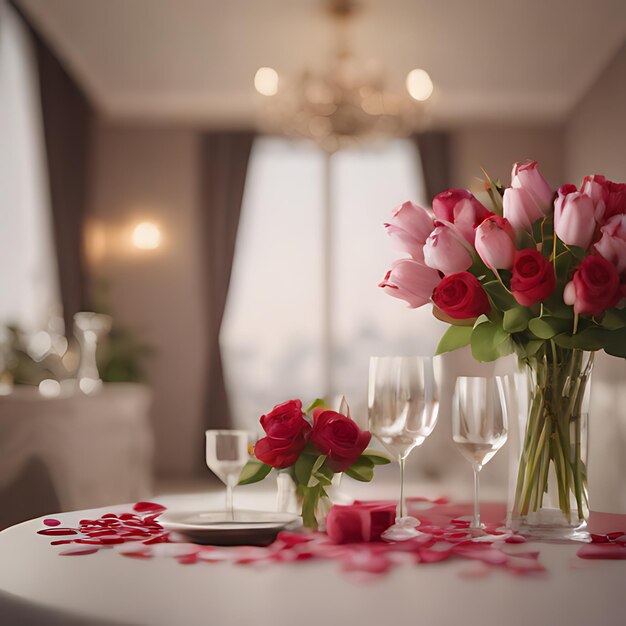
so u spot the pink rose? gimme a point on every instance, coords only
(521, 208)
(527, 176)
(612, 245)
(461, 208)
(495, 243)
(287, 433)
(574, 221)
(339, 438)
(411, 281)
(594, 288)
(356, 523)
(409, 227)
(609, 198)
(447, 250)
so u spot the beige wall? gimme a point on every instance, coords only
(151, 174)
(595, 134)
(497, 147)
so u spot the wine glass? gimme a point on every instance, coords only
(403, 405)
(226, 455)
(479, 425)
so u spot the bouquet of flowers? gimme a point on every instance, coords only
(541, 274)
(312, 446)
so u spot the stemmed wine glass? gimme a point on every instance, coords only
(403, 405)
(479, 425)
(226, 455)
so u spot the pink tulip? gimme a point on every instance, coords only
(521, 209)
(409, 228)
(446, 249)
(528, 177)
(411, 281)
(612, 245)
(574, 217)
(461, 208)
(495, 243)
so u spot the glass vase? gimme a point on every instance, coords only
(548, 496)
(312, 505)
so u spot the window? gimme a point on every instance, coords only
(28, 275)
(272, 332)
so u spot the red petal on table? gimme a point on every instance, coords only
(616, 535)
(137, 555)
(78, 551)
(480, 552)
(429, 555)
(49, 521)
(598, 538)
(109, 515)
(55, 532)
(60, 542)
(291, 539)
(515, 539)
(188, 559)
(602, 551)
(162, 538)
(366, 561)
(148, 507)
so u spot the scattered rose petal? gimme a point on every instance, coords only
(49, 521)
(78, 551)
(148, 507)
(602, 551)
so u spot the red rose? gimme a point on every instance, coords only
(339, 438)
(287, 433)
(594, 288)
(356, 523)
(533, 277)
(461, 296)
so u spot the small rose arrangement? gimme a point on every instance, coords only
(312, 445)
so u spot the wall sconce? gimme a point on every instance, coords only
(146, 236)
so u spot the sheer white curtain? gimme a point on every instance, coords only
(29, 290)
(272, 329)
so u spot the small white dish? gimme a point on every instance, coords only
(252, 528)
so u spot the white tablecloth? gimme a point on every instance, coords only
(109, 588)
(97, 450)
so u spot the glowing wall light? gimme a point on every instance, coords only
(266, 81)
(419, 85)
(146, 236)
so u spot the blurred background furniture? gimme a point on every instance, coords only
(63, 454)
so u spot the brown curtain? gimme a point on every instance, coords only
(67, 118)
(224, 164)
(434, 149)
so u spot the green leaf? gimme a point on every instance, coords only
(318, 402)
(303, 468)
(490, 342)
(362, 469)
(455, 337)
(377, 458)
(500, 297)
(614, 319)
(548, 327)
(591, 338)
(616, 346)
(516, 320)
(495, 191)
(310, 498)
(253, 472)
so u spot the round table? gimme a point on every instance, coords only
(39, 587)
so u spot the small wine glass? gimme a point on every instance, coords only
(403, 405)
(479, 425)
(226, 455)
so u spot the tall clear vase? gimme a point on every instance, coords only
(548, 496)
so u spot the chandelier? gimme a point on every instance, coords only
(348, 104)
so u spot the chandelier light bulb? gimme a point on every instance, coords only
(419, 85)
(266, 81)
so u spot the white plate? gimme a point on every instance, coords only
(218, 528)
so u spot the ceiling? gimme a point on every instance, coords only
(194, 60)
